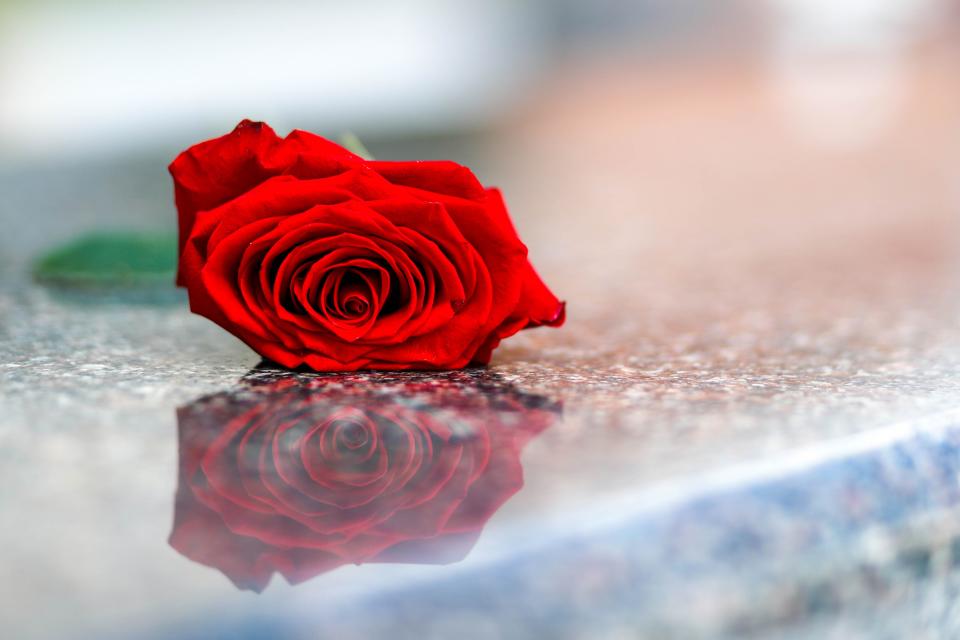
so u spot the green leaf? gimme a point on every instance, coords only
(111, 260)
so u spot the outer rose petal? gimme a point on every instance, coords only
(436, 176)
(537, 305)
(489, 230)
(213, 172)
(535, 296)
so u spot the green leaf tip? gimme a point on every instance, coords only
(350, 142)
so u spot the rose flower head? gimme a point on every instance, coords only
(316, 257)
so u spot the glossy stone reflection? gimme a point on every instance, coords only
(301, 474)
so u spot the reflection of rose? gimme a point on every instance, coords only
(300, 477)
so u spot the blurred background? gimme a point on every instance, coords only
(658, 118)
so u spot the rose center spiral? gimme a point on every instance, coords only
(349, 294)
(351, 434)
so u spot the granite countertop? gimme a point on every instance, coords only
(755, 419)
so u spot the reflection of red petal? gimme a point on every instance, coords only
(443, 549)
(200, 534)
(297, 565)
(502, 478)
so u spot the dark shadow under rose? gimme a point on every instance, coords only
(299, 475)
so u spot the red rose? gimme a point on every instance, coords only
(300, 477)
(314, 256)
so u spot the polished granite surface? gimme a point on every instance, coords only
(749, 426)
